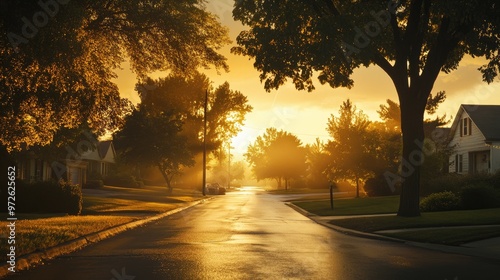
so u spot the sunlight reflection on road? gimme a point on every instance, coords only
(250, 190)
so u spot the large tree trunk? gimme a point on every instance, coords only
(412, 127)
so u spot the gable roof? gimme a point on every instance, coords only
(103, 148)
(485, 117)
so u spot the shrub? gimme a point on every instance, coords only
(94, 184)
(48, 197)
(449, 182)
(455, 182)
(94, 175)
(378, 186)
(495, 180)
(442, 201)
(479, 196)
(73, 198)
(121, 180)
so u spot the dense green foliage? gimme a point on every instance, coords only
(475, 191)
(59, 59)
(479, 196)
(94, 184)
(442, 201)
(166, 130)
(277, 155)
(411, 41)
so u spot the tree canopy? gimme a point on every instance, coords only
(353, 146)
(411, 41)
(277, 155)
(58, 59)
(165, 131)
(184, 97)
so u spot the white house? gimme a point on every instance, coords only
(475, 139)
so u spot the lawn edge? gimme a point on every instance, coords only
(460, 250)
(36, 258)
(343, 230)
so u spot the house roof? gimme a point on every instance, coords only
(486, 118)
(103, 147)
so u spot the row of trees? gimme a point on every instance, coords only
(58, 62)
(359, 150)
(166, 130)
(411, 41)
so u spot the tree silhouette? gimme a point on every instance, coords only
(166, 130)
(184, 97)
(317, 165)
(278, 155)
(59, 59)
(154, 140)
(351, 149)
(411, 41)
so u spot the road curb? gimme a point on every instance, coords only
(436, 247)
(33, 259)
(341, 229)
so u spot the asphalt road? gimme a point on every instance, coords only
(253, 235)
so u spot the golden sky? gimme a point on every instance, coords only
(306, 114)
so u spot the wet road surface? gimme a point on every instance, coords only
(249, 234)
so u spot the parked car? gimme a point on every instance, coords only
(222, 190)
(215, 188)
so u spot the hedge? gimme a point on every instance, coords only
(48, 197)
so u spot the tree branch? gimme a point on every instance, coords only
(413, 24)
(381, 62)
(417, 42)
(437, 57)
(322, 10)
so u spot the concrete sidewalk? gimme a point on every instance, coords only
(488, 248)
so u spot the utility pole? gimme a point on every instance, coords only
(229, 166)
(205, 144)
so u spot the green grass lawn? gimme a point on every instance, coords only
(102, 209)
(352, 206)
(38, 233)
(448, 236)
(389, 204)
(430, 219)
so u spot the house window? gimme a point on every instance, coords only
(466, 128)
(458, 163)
